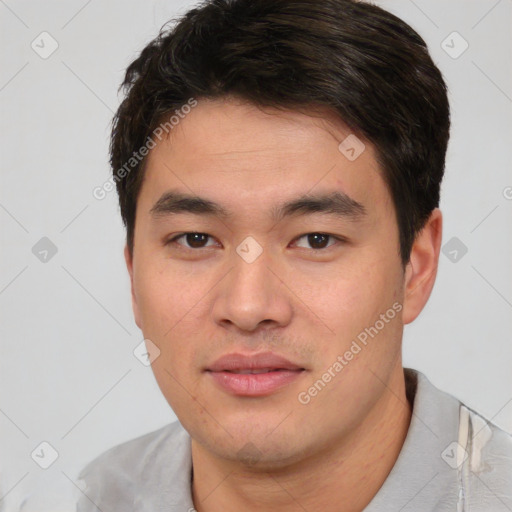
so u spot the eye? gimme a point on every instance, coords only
(316, 240)
(193, 240)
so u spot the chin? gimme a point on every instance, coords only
(259, 449)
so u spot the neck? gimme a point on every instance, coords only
(346, 478)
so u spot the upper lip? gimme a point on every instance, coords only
(264, 360)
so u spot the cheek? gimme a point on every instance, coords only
(353, 310)
(172, 306)
(165, 295)
(348, 297)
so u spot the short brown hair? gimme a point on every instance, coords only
(360, 61)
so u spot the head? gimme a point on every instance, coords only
(318, 130)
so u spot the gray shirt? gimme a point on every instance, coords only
(452, 460)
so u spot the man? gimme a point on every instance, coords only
(278, 166)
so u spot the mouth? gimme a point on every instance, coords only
(253, 363)
(254, 375)
(256, 371)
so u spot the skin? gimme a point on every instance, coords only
(307, 304)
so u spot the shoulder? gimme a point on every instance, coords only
(486, 469)
(134, 455)
(129, 473)
(476, 453)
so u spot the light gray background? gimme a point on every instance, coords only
(68, 373)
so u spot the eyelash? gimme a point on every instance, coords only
(174, 239)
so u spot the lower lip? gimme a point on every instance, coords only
(254, 384)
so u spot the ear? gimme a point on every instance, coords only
(421, 271)
(129, 265)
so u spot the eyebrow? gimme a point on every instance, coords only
(336, 203)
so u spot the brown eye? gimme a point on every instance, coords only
(196, 239)
(193, 240)
(316, 241)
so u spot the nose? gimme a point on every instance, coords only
(252, 296)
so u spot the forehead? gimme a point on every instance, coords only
(248, 157)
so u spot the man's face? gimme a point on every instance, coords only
(304, 298)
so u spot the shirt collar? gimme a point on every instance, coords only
(424, 476)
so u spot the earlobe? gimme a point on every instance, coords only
(420, 272)
(129, 265)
